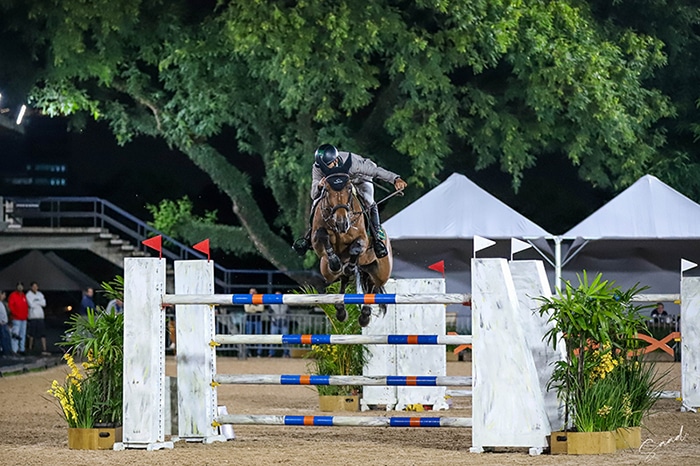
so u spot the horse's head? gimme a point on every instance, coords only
(339, 202)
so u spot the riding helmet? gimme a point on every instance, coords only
(325, 154)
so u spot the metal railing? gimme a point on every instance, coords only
(94, 212)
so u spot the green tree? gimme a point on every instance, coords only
(410, 84)
(676, 24)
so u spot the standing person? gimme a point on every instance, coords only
(253, 319)
(35, 321)
(362, 172)
(19, 311)
(279, 323)
(115, 305)
(5, 337)
(87, 302)
(659, 314)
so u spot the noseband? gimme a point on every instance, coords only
(331, 210)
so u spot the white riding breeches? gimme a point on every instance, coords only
(366, 191)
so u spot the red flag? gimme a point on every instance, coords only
(155, 243)
(438, 267)
(202, 246)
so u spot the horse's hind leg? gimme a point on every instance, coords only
(365, 315)
(340, 312)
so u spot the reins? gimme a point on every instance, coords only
(332, 210)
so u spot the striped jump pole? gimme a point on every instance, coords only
(362, 380)
(345, 421)
(313, 299)
(343, 339)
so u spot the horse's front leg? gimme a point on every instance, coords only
(323, 247)
(340, 312)
(357, 247)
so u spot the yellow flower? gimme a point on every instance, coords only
(604, 411)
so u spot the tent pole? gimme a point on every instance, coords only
(557, 262)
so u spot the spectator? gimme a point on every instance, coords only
(5, 337)
(659, 314)
(253, 319)
(35, 321)
(115, 305)
(19, 311)
(279, 322)
(87, 301)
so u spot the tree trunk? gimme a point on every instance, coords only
(237, 187)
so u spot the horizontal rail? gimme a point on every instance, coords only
(362, 380)
(458, 393)
(655, 298)
(310, 299)
(345, 421)
(343, 339)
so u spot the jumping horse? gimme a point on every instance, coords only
(342, 243)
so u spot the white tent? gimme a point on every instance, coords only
(441, 225)
(458, 208)
(639, 236)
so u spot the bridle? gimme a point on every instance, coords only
(327, 211)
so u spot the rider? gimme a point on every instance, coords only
(361, 174)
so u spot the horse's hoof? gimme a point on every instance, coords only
(382, 309)
(365, 314)
(334, 263)
(340, 314)
(364, 320)
(349, 270)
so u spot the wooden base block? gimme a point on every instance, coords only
(628, 437)
(101, 438)
(339, 403)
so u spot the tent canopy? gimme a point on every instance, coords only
(441, 225)
(458, 208)
(640, 236)
(648, 209)
(47, 269)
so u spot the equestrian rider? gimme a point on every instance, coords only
(362, 172)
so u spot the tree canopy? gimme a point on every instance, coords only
(413, 85)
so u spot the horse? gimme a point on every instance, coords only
(340, 240)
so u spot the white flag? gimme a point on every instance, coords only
(516, 246)
(481, 243)
(687, 265)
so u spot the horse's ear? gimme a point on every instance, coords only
(324, 169)
(347, 165)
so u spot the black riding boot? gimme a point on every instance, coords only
(377, 232)
(303, 244)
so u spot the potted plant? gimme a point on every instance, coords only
(338, 359)
(599, 381)
(91, 395)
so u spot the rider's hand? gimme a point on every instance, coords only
(400, 184)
